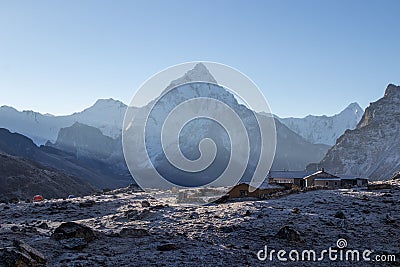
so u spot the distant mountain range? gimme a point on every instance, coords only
(372, 149)
(325, 129)
(106, 114)
(67, 133)
(87, 145)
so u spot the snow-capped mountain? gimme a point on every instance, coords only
(292, 151)
(372, 149)
(198, 73)
(325, 129)
(106, 115)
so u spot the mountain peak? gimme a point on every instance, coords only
(108, 102)
(199, 73)
(353, 108)
(354, 105)
(8, 108)
(200, 67)
(104, 106)
(78, 124)
(392, 90)
(384, 109)
(372, 149)
(325, 129)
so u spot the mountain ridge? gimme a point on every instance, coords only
(94, 171)
(105, 114)
(108, 114)
(22, 179)
(372, 148)
(325, 129)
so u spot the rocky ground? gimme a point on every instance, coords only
(129, 228)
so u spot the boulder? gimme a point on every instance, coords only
(379, 186)
(133, 232)
(134, 215)
(145, 204)
(296, 210)
(87, 203)
(340, 215)
(13, 200)
(43, 225)
(22, 255)
(14, 228)
(288, 233)
(73, 230)
(12, 257)
(74, 243)
(73, 236)
(389, 219)
(396, 176)
(31, 251)
(167, 247)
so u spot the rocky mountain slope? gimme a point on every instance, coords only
(325, 129)
(372, 149)
(92, 170)
(89, 143)
(22, 179)
(85, 141)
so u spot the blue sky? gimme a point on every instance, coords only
(308, 57)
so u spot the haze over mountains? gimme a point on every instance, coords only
(87, 145)
(293, 151)
(91, 169)
(106, 115)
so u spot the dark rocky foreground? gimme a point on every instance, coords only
(128, 228)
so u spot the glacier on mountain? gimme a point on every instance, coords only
(325, 129)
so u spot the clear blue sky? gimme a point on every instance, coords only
(307, 56)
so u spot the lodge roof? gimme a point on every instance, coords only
(322, 172)
(327, 179)
(289, 174)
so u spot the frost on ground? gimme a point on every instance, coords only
(128, 228)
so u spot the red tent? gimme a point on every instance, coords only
(37, 198)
